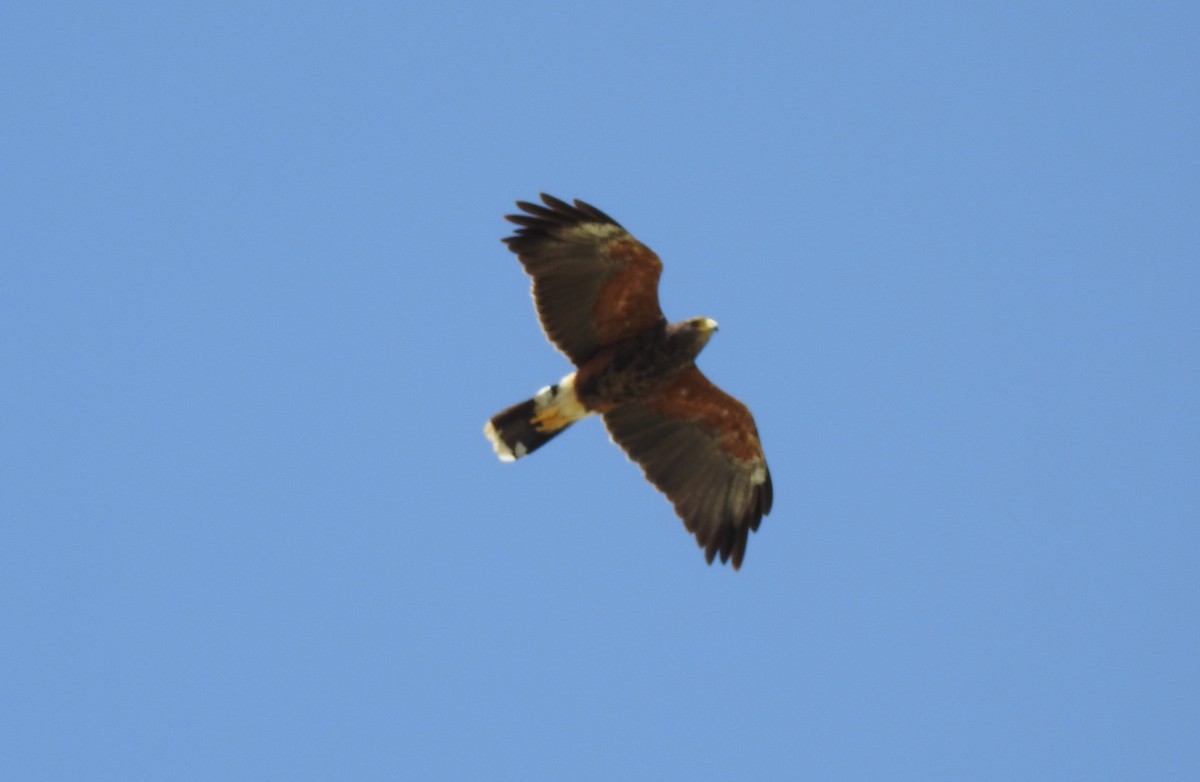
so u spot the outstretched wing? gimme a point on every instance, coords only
(593, 283)
(700, 447)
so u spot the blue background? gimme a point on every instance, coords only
(255, 312)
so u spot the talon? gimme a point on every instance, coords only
(548, 420)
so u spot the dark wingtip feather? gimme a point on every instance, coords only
(554, 203)
(527, 221)
(739, 547)
(556, 213)
(766, 493)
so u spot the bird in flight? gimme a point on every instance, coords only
(595, 288)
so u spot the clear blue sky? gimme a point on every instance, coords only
(254, 311)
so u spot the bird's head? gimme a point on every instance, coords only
(704, 327)
(693, 334)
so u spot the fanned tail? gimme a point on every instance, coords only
(523, 428)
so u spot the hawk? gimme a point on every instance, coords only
(596, 291)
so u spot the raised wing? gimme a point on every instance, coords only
(700, 447)
(593, 283)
